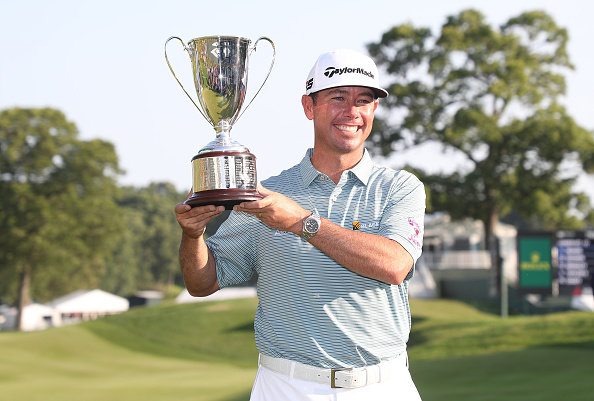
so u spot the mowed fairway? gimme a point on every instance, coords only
(459, 353)
(206, 351)
(126, 357)
(74, 364)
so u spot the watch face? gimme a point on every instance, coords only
(311, 226)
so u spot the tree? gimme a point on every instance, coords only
(155, 232)
(491, 95)
(58, 217)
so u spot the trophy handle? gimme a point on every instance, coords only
(180, 84)
(267, 75)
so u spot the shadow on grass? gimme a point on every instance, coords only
(248, 327)
(417, 337)
(536, 374)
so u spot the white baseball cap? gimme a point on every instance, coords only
(343, 68)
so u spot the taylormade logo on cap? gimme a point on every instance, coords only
(330, 71)
(343, 68)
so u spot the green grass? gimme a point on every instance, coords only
(206, 351)
(221, 332)
(444, 329)
(459, 353)
(536, 374)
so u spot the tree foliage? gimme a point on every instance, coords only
(155, 233)
(58, 217)
(492, 95)
(66, 225)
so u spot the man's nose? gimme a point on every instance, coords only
(352, 110)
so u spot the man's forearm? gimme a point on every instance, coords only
(366, 254)
(197, 266)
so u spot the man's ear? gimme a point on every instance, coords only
(308, 106)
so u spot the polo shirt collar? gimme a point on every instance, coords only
(362, 170)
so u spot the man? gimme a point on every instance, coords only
(334, 242)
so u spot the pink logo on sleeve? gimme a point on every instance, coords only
(416, 232)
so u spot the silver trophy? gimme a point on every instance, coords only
(224, 171)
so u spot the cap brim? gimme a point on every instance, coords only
(379, 92)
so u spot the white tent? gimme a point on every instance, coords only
(88, 304)
(35, 317)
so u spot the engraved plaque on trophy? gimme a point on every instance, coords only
(224, 171)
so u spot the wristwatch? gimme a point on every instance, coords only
(311, 226)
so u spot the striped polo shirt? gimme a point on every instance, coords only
(311, 309)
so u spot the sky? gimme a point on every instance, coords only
(102, 64)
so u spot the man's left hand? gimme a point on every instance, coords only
(276, 210)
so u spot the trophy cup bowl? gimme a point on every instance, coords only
(224, 171)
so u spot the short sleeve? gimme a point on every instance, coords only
(403, 217)
(232, 249)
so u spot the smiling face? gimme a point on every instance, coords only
(342, 117)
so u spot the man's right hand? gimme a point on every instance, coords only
(193, 220)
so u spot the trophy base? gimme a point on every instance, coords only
(223, 197)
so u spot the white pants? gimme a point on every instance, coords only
(272, 386)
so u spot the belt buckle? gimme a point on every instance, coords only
(333, 377)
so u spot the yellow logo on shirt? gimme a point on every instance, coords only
(357, 225)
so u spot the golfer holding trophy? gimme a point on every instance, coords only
(224, 171)
(333, 241)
